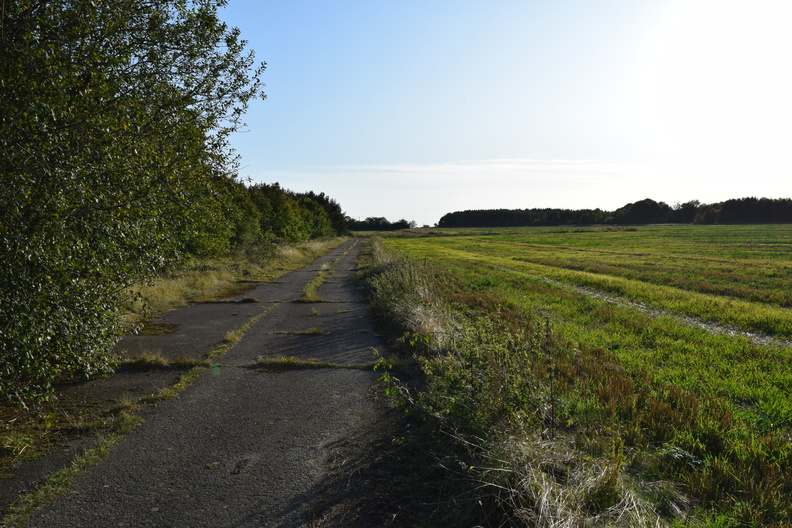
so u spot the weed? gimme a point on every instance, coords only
(146, 361)
(233, 336)
(315, 331)
(311, 291)
(248, 300)
(150, 328)
(283, 364)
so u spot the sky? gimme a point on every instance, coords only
(411, 109)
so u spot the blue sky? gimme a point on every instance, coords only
(412, 109)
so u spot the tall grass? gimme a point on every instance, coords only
(492, 389)
(210, 279)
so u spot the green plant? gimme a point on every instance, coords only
(283, 364)
(93, 200)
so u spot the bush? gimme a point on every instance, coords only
(114, 122)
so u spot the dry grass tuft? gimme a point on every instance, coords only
(548, 483)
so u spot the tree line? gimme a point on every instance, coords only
(115, 165)
(266, 213)
(378, 224)
(735, 211)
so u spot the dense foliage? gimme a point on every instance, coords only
(736, 211)
(287, 216)
(114, 120)
(378, 224)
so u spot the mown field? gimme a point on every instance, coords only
(662, 352)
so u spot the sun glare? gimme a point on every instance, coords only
(722, 82)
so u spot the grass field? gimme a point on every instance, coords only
(662, 352)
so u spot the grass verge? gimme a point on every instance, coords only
(204, 280)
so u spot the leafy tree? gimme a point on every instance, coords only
(684, 213)
(295, 217)
(282, 217)
(242, 212)
(736, 211)
(114, 118)
(336, 216)
(646, 211)
(315, 217)
(378, 223)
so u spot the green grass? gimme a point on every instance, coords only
(530, 258)
(212, 279)
(690, 424)
(56, 483)
(284, 364)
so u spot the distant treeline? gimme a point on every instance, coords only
(735, 211)
(378, 224)
(267, 213)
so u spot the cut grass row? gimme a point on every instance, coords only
(751, 316)
(747, 262)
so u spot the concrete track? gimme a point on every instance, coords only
(240, 447)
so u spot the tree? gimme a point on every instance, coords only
(242, 212)
(646, 211)
(114, 119)
(315, 217)
(336, 216)
(684, 213)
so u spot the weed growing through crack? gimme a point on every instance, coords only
(284, 363)
(315, 331)
(150, 328)
(149, 361)
(145, 362)
(311, 291)
(248, 300)
(233, 337)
